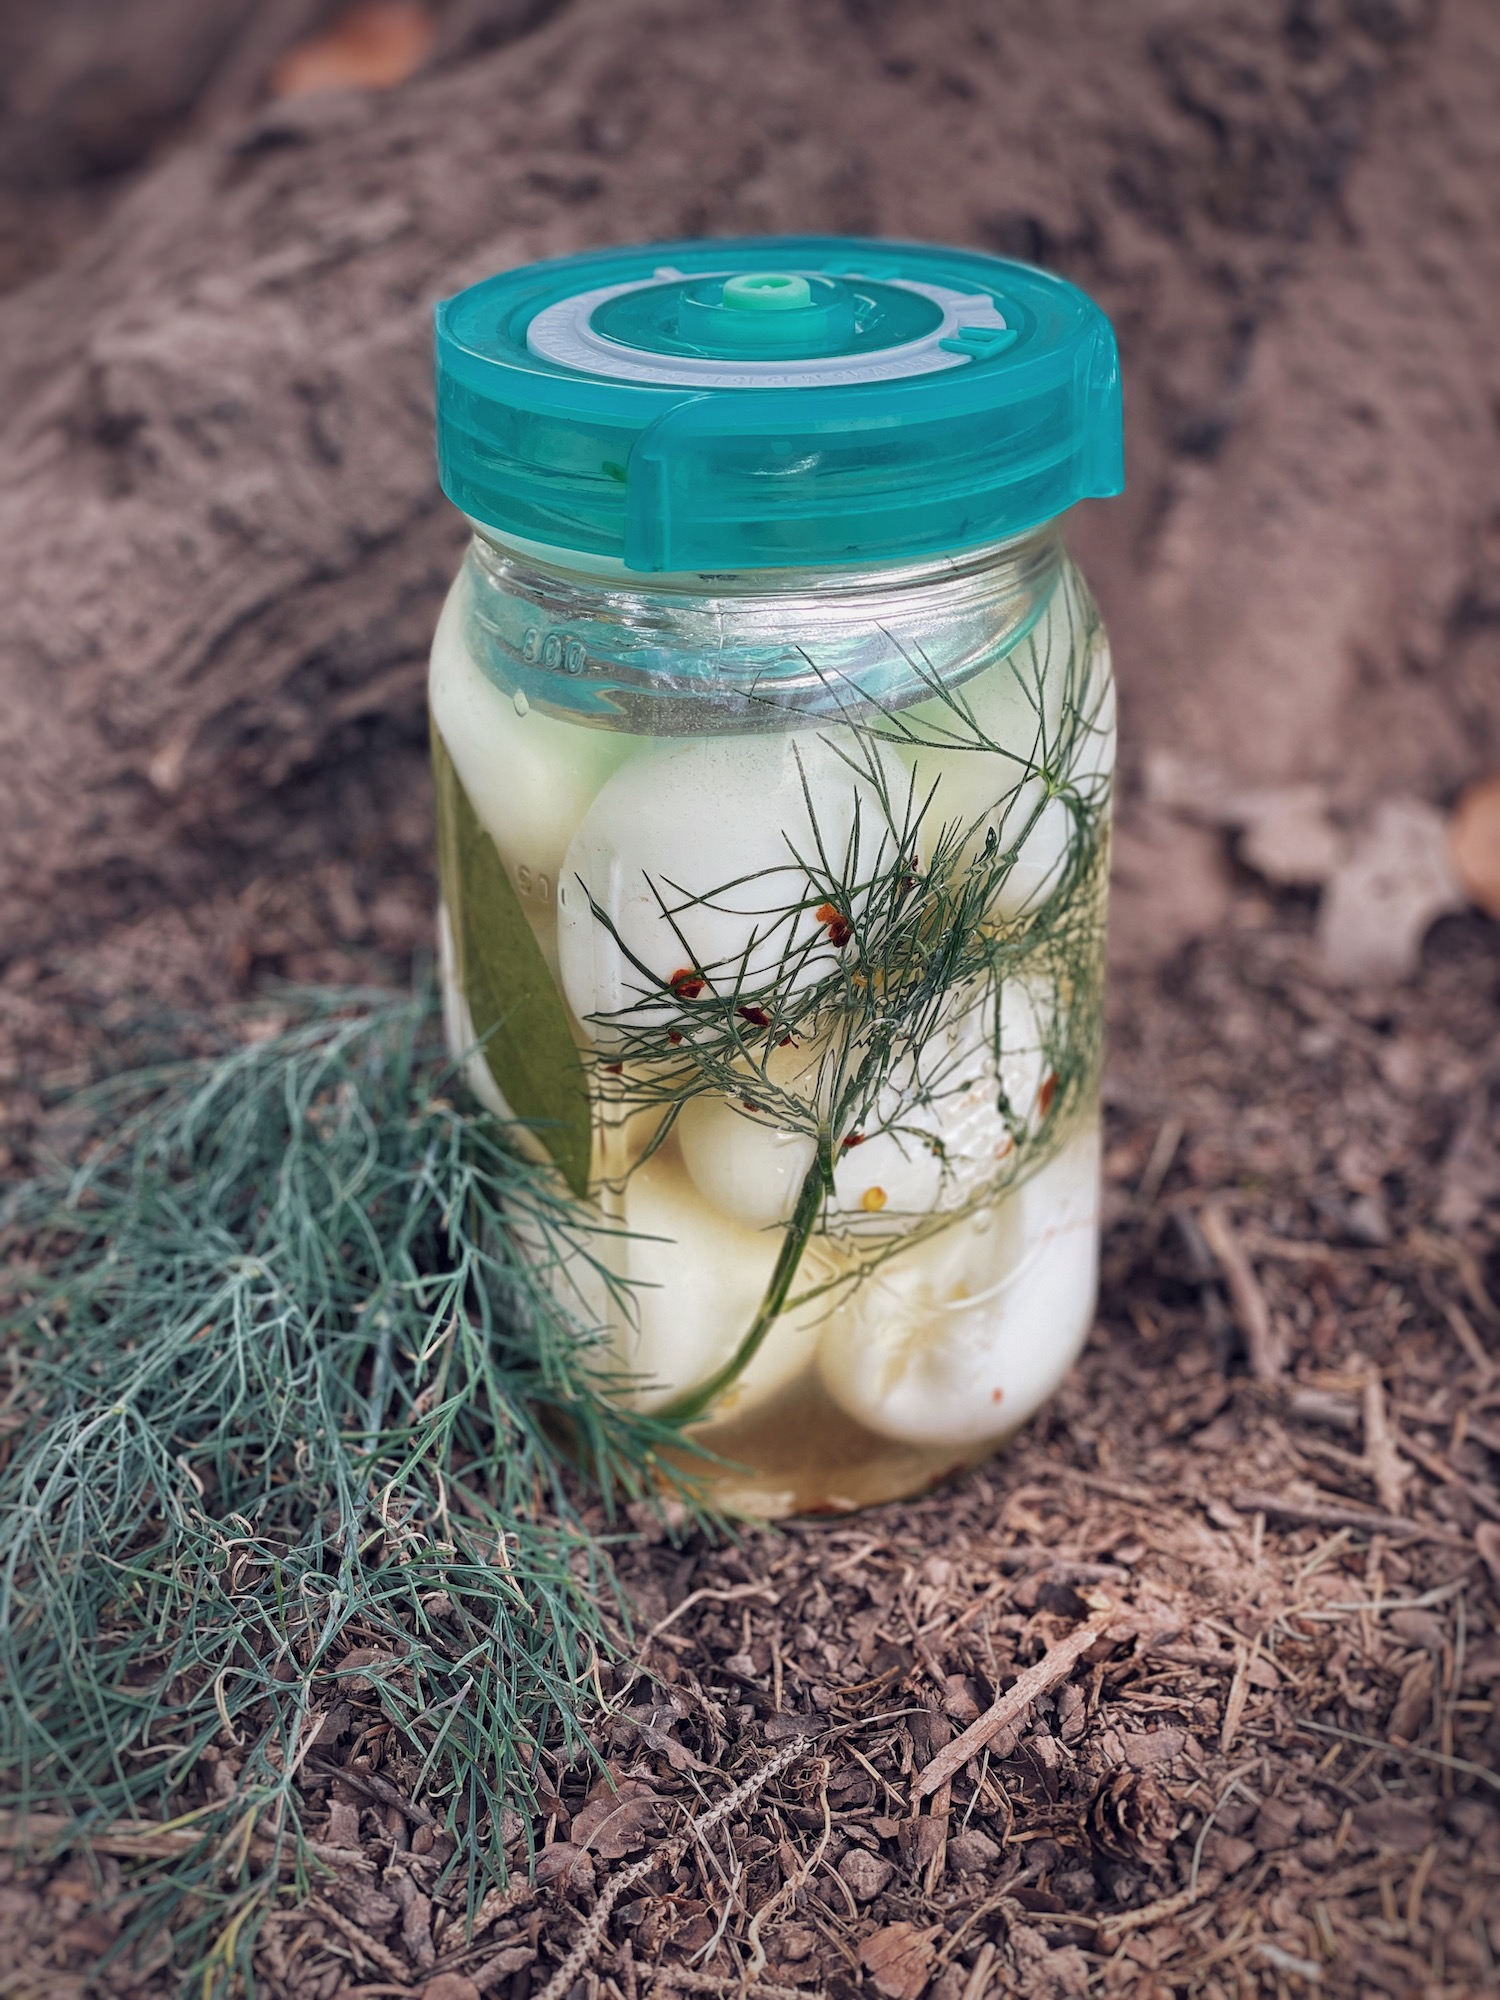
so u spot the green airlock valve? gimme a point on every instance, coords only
(745, 315)
(767, 291)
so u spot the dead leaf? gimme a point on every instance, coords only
(566, 1865)
(363, 1666)
(372, 46)
(898, 1959)
(616, 1817)
(1474, 842)
(655, 1727)
(1413, 1702)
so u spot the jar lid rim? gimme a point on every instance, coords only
(774, 402)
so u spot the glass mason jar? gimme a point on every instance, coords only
(773, 733)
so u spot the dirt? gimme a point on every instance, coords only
(1267, 1502)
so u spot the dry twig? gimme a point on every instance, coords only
(1382, 1460)
(1112, 1928)
(1049, 1672)
(1246, 1296)
(1322, 1514)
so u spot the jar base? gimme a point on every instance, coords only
(800, 1453)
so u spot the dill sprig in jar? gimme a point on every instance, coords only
(774, 732)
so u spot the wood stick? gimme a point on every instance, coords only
(1049, 1672)
(1245, 1294)
(1113, 1927)
(134, 1840)
(1382, 1459)
(1322, 1514)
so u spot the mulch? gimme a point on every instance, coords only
(1252, 1550)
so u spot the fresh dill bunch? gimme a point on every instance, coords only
(283, 1386)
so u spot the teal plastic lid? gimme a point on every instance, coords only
(774, 402)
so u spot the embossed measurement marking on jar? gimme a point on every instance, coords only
(534, 885)
(554, 650)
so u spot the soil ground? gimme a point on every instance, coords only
(1272, 1486)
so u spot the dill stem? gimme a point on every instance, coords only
(818, 1180)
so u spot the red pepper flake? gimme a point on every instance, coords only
(614, 1069)
(687, 983)
(787, 1042)
(673, 1037)
(997, 1395)
(1046, 1094)
(749, 1104)
(756, 1016)
(836, 924)
(855, 1139)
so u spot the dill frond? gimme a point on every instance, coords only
(285, 1387)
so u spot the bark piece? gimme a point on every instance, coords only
(897, 1959)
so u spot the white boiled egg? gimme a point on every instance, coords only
(978, 1137)
(530, 778)
(963, 1337)
(697, 1280)
(707, 856)
(1041, 707)
(897, 1171)
(747, 1166)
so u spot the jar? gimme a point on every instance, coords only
(773, 732)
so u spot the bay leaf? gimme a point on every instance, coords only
(518, 1013)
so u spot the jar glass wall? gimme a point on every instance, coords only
(773, 908)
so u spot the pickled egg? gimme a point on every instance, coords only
(1022, 705)
(961, 1338)
(707, 857)
(529, 777)
(696, 1282)
(745, 1165)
